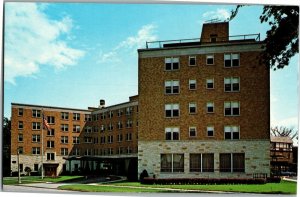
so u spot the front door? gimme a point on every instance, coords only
(50, 170)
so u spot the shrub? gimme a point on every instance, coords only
(143, 175)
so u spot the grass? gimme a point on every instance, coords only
(37, 179)
(284, 187)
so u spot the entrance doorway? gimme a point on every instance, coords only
(50, 170)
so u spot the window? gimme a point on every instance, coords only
(76, 128)
(120, 150)
(65, 115)
(64, 151)
(213, 37)
(172, 110)
(51, 156)
(110, 139)
(128, 136)
(209, 83)
(75, 140)
(210, 131)
(87, 117)
(20, 150)
(88, 140)
(95, 129)
(172, 133)
(231, 60)
(232, 162)
(202, 162)
(120, 125)
(36, 138)
(129, 150)
(129, 110)
(36, 167)
(192, 60)
(102, 116)
(64, 127)
(172, 63)
(50, 132)
(20, 137)
(120, 138)
(20, 112)
(209, 59)
(76, 151)
(231, 108)
(232, 132)
(129, 123)
(210, 107)
(20, 125)
(192, 84)
(110, 127)
(36, 126)
(51, 119)
(172, 162)
(50, 144)
(232, 84)
(76, 116)
(120, 112)
(192, 131)
(36, 150)
(172, 87)
(36, 113)
(192, 108)
(102, 140)
(64, 139)
(102, 128)
(88, 152)
(110, 151)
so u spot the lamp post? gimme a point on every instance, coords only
(19, 176)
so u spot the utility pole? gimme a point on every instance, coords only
(19, 176)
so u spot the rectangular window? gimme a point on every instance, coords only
(172, 163)
(20, 125)
(36, 167)
(171, 110)
(192, 131)
(110, 127)
(210, 107)
(208, 162)
(102, 128)
(110, 139)
(36, 150)
(87, 117)
(64, 127)
(20, 112)
(209, 59)
(210, 131)
(76, 116)
(20, 150)
(192, 84)
(128, 136)
(88, 140)
(120, 138)
(102, 140)
(64, 139)
(20, 137)
(192, 60)
(129, 123)
(172, 87)
(232, 162)
(231, 108)
(172, 133)
(51, 120)
(50, 132)
(76, 151)
(36, 138)
(171, 63)
(192, 108)
(50, 144)
(76, 128)
(65, 115)
(75, 140)
(120, 125)
(110, 114)
(209, 83)
(129, 111)
(36, 113)
(36, 126)
(232, 84)
(195, 162)
(231, 60)
(64, 151)
(120, 113)
(231, 132)
(51, 156)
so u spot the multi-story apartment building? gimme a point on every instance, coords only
(204, 106)
(77, 140)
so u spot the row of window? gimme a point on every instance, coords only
(36, 113)
(110, 114)
(228, 162)
(231, 84)
(231, 108)
(230, 60)
(230, 132)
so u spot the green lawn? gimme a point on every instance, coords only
(36, 179)
(284, 187)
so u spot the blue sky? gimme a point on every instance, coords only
(73, 54)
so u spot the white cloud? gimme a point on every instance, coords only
(291, 122)
(220, 13)
(146, 33)
(33, 40)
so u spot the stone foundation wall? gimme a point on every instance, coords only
(257, 157)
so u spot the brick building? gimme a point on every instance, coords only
(78, 140)
(204, 106)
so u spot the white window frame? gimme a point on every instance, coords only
(231, 81)
(172, 60)
(76, 128)
(172, 84)
(208, 105)
(232, 105)
(232, 129)
(76, 140)
(210, 80)
(210, 56)
(192, 57)
(36, 126)
(64, 139)
(231, 57)
(36, 150)
(172, 107)
(36, 113)
(76, 116)
(20, 125)
(190, 130)
(51, 119)
(172, 131)
(64, 127)
(192, 105)
(64, 151)
(210, 128)
(64, 115)
(36, 138)
(192, 82)
(51, 144)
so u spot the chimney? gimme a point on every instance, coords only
(214, 32)
(102, 103)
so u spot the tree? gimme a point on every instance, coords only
(284, 132)
(282, 40)
(6, 146)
